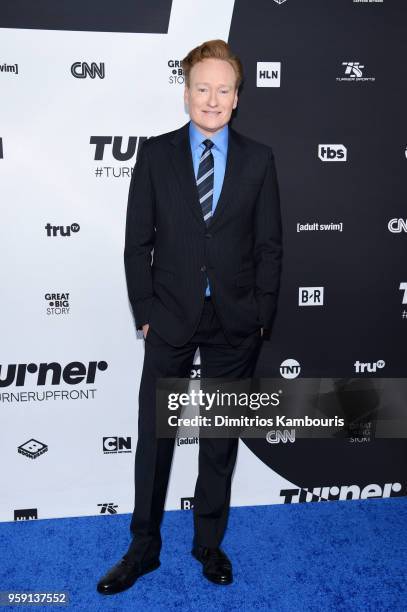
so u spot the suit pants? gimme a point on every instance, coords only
(217, 456)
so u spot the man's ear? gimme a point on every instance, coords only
(186, 95)
(235, 100)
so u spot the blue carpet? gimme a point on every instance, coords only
(306, 557)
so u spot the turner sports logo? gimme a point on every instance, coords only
(341, 493)
(49, 374)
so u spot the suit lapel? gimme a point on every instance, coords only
(184, 168)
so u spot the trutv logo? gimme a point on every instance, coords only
(51, 373)
(61, 230)
(119, 149)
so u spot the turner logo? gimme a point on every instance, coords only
(361, 368)
(396, 226)
(60, 230)
(32, 449)
(268, 74)
(122, 149)
(290, 368)
(51, 373)
(344, 492)
(81, 70)
(115, 444)
(332, 152)
(403, 287)
(310, 296)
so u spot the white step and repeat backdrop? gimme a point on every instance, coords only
(74, 106)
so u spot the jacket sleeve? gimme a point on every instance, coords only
(139, 238)
(268, 245)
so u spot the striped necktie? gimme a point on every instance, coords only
(204, 180)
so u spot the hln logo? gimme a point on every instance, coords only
(80, 70)
(310, 296)
(268, 74)
(116, 444)
(26, 514)
(187, 503)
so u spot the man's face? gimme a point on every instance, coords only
(211, 95)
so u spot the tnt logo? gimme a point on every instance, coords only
(268, 74)
(403, 287)
(187, 503)
(115, 444)
(109, 508)
(290, 368)
(276, 436)
(60, 230)
(80, 70)
(32, 449)
(332, 152)
(361, 368)
(310, 296)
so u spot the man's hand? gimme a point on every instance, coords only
(145, 330)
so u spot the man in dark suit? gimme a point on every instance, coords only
(202, 258)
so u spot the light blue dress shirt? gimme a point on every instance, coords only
(219, 152)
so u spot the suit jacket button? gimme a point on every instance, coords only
(203, 268)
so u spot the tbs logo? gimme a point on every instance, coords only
(310, 296)
(332, 152)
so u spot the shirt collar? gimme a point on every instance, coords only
(220, 139)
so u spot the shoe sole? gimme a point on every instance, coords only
(147, 570)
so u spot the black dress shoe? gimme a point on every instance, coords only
(216, 566)
(123, 575)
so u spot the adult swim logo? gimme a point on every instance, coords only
(353, 72)
(61, 230)
(332, 152)
(290, 368)
(344, 492)
(176, 73)
(13, 68)
(32, 449)
(57, 303)
(81, 70)
(119, 148)
(268, 74)
(53, 374)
